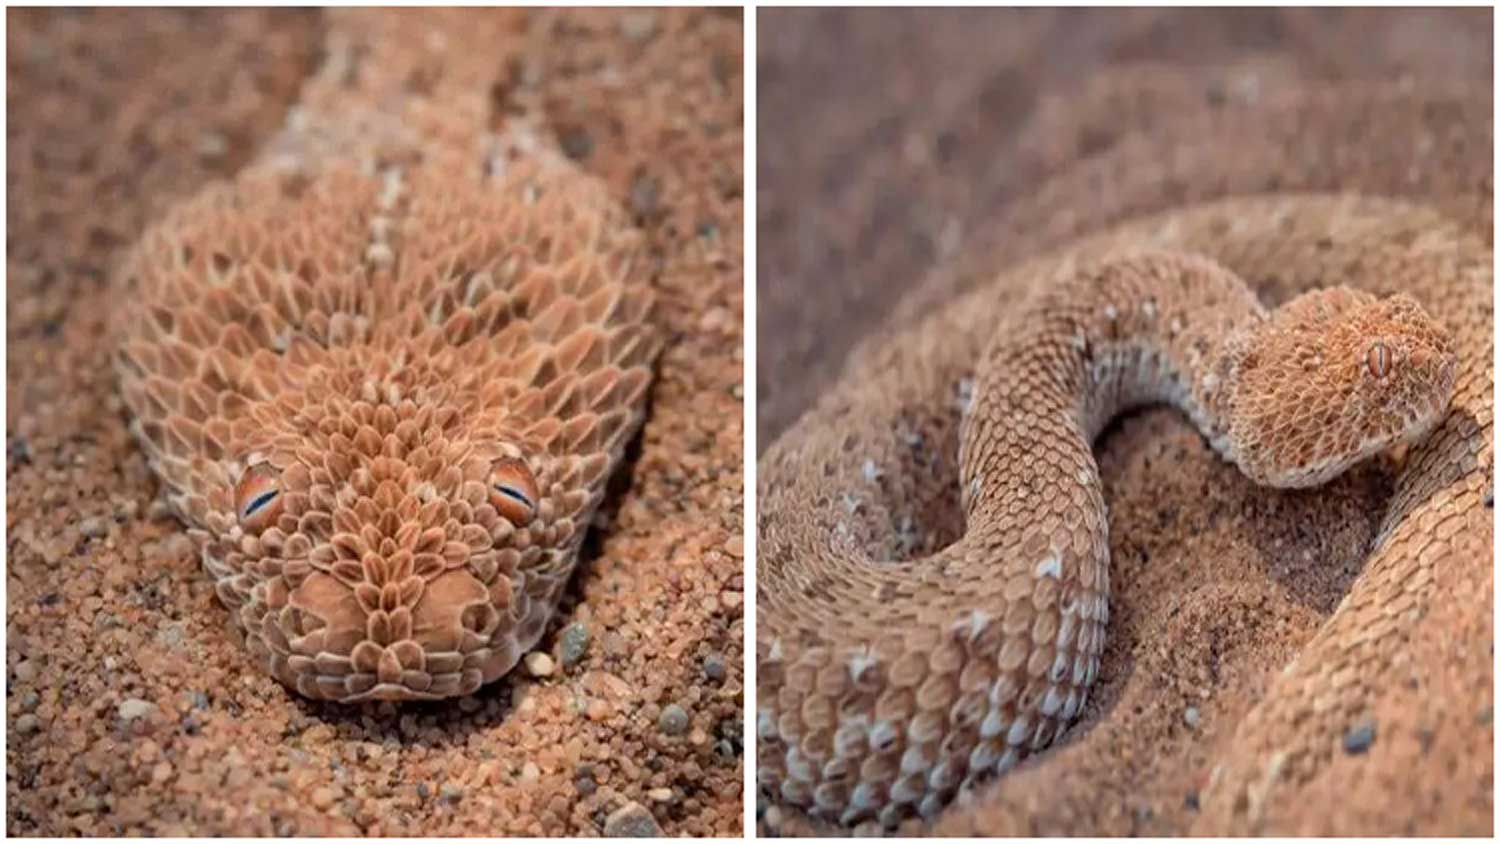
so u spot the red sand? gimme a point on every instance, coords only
(131, 709)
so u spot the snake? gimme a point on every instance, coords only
(893, 677)
(384, 373)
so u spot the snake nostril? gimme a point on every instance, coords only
(479, 618)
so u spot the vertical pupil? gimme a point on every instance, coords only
(259, 501)
(513, 493)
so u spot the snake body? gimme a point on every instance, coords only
(890, 680)
(385, 373)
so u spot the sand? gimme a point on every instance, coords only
(881, 188)
(131, 709)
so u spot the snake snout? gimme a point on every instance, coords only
(333, 640)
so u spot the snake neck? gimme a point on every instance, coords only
(398, 90)
(1148, 328)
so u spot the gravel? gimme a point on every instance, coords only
(631, 820)
(574, 643)
(133, 709)
(673, 721)
(539, 664)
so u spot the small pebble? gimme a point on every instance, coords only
(93, 527)
(1191, 717)
(575, 643)
(1359, 739)
(631, 821)
(583, 780)
(323, 797)
(539, 664)
(530, 772)
(451, 792)
(577, 144)
(27, 724)
(133, 708)
(673, 721)
(714, 668)
(25, 671)
(660, 795)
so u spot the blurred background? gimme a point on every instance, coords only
(888, 138)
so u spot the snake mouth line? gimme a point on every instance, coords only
(394, 692)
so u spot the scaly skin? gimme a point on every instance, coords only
(385, 374)
(886, 687)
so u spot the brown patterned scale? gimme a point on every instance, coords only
(386, 402)
(888, 681)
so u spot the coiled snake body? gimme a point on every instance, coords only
(887, 687)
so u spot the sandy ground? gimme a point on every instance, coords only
(130, 707)
(880, 182)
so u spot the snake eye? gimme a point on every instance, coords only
(1378, 360)
(513, 491)
(257, 497)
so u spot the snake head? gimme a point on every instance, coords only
(398, 532)
(1331, 378)
(388, 455)
(1410, 366)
